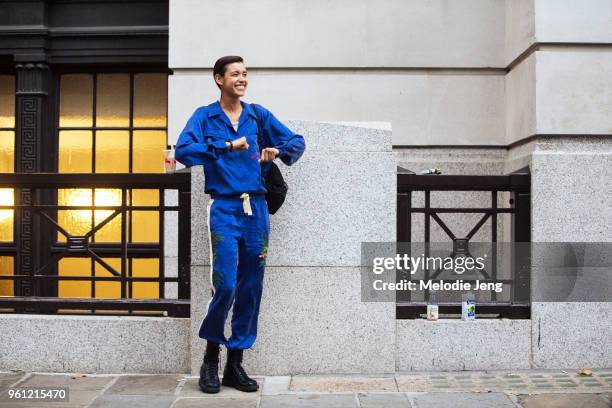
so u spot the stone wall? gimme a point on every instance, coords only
(341, 193)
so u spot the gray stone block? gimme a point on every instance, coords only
(519, 157)
(94, 344)
(312, 320)
(462, 161)
(453, 344)
(200, 295)
(199, 217)
(171, 224)
(335, 202)
(343, 137)
(327, 201)
(571, 334)
(317, 213)
(571, 196)
(341, 193)
(171, 270)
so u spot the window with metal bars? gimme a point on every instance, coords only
(112, 123)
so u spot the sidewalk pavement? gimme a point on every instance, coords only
(462, 389)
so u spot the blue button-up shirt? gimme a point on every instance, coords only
(203, 141)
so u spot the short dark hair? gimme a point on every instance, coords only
(222, 63)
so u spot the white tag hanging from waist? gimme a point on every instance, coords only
(246, 203)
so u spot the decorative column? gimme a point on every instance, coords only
(35, 151)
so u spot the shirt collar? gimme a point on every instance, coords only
(214, 109)
(249, 110)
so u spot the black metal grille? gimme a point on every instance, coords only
(44, 278)
(519, 187)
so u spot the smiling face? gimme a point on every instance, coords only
(234, 81)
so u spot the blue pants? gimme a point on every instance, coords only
(238, 248)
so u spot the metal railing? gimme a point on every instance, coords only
(36, 251)
(519, 187)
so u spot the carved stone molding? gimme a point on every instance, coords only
(32, 79)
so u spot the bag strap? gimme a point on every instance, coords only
(260, 137)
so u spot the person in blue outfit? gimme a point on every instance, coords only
(223, 138)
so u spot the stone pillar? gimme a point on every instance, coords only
(342, 192)
(572, 202)
(559, 123)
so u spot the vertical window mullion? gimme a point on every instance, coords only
(130, 170)
(93, 170)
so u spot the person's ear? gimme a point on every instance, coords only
(218, 79)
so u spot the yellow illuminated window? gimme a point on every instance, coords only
(7, 162)
(111, 123)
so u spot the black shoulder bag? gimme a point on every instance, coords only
(273, 180)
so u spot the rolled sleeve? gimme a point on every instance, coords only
(191, 148)
(290, 145)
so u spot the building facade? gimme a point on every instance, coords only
(504, 88)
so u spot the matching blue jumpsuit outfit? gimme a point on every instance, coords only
(238, 219)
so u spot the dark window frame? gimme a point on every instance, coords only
(517, 184)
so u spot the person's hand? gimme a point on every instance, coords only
(268, 154)
(239, 144)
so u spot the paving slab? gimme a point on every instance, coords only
(82, 390)
(275, 385)
(77, 399)
(133, 401)
(309, 401)
(145, 385)
(76, 382)
(342, 384)
(515, 383)
(8, 379)
(564, 401)
(216, 403)
(462, 400)
(383, 400)
(192, 389)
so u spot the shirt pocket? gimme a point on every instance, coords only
(215, 135)
(254, 147)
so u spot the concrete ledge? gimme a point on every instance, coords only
(453, 344)
(94, 344)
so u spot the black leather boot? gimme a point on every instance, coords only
(209, 372)
(235, 376)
